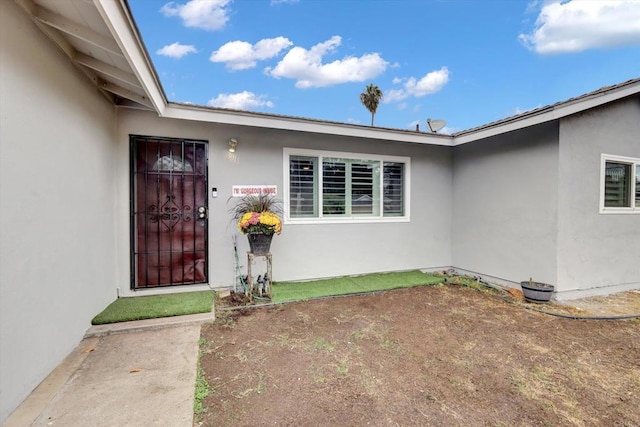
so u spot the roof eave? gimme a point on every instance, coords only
(252, 119)
(549, 113)
(117, 17)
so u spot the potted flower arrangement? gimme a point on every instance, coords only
(536, 291)
(258, 218)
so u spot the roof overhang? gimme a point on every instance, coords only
(118, 18)
(551, 112)
(77, 29)
(122, 70)
(244, 118)
(117, 15)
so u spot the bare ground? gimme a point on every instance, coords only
(425, 356)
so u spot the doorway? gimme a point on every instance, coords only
(169, 212)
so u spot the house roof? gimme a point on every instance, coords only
(102, 40)
(78, 29)
(551, 112)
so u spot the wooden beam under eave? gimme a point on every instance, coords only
(63, 44)
(54, 35)
(127, 103)
(125, 93)
(76, 30)
(106, 69)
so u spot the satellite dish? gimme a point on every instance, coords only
(436, 125)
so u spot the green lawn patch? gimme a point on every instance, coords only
(293, 291)
(154, 306)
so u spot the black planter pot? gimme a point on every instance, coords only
(537, 292)
(259, 243)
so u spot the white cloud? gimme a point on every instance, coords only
(240, 101)
(307, 68)
(204, 14)
(578, 25)
(239, 55)
(176, 50)
(431, 83)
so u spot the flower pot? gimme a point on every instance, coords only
(536, 292)
(259, 243)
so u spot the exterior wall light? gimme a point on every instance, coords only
(232, 145)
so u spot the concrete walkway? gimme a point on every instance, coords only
(126, 374)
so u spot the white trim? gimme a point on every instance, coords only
(299, 124)
(634, 162)
(548, 114)
(117, 18)
(288, 152)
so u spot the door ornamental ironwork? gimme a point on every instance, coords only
(169, 212)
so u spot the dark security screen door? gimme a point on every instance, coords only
(169, 212)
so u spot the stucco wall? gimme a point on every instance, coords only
(57, 246)
(305, 251)
(597, 253)
(505, 205)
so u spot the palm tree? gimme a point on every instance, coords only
(370, 98)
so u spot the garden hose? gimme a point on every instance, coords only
(238, 272)
(550, 313)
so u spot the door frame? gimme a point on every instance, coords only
(132, 209)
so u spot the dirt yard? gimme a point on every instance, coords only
(425, 356)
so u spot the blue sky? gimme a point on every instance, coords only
(467, 62)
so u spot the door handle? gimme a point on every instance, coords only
(202, 212)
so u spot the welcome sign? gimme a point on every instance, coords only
(253, 190)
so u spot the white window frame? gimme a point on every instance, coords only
(634, 162)
(320, 219)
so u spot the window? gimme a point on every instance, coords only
(620, 184)
(338, 187)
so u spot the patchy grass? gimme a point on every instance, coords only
(294, 291)
(154, 306)
(426, 355)
(202, 386)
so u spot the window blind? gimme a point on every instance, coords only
(393, 189)
(617, 184)
(302, 186)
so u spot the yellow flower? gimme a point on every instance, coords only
(260, 222)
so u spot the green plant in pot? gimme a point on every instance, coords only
(537, 292)
(258, 217)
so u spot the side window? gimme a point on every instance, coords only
(620, 184)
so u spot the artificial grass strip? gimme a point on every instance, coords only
(293, 291)
(155, 306)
